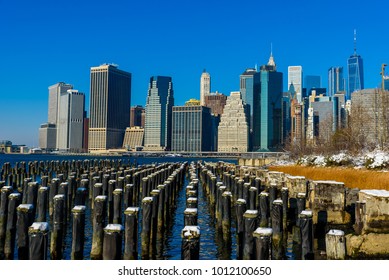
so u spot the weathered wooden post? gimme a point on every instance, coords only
(245, 193)
(110, 207)
(147, 207)
(42, 203)
(81, 195)
(335, 245)
(38, 240)
(306, 226)
(112, 244)
(128, 196)
(161, 210)
(117, 206)
(14, 200)
(226, 216)
(250, 225)
(131, 233)
(56, 249)
(5, 191)
(78, 233)
(263, 237)
(190, 217)
(240, 210)
(219, 205)
(99, 216)
(53, 191)
(24, 221)
(285, 201)
(277, 238)
(191, 202)
(26, 181)
(264, 209)
(97, 190)
(253, 196)
(301, 201)
(190, 246)
(32, 194)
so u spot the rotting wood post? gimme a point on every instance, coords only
(57, 234)
(5, 192)
(117, 206)
(285, 201)
(24, 221)
(112, 244)
(131, 233)
(253, 196)
(335, 245)
(128, 196)
(97, 190)
(78, 233)
(98, 223)
(306, 225)
(53, 191)
(38, 240)
(263, 238)
(226, 216)
(190, 217)
(190, 246)
(147, 207)
(14, 200)
(264, 209)
(277, 238)
(240, 210)
(250, 225)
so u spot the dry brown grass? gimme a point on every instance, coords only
(352, 178)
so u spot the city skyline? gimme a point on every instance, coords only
(58, 50)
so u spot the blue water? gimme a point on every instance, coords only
(211, 247)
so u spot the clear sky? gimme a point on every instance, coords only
(43, 42)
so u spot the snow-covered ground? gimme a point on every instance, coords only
(371, 160)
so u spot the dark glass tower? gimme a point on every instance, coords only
(355, 71)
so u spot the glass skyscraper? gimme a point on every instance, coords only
(268, 114)
(355, 71)
(335, 80)
(295, 77)
(110, 98)
(158, 121)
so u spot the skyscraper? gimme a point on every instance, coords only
(137, 116)
(267, 110)
(295, 77)
(205, 86)
(233, 130)
(216, 101)
(311, 82)
(192, 128)
(70, 124)
(250, 88)
(54, 94)
(110, 98)
(158, 123)
(355, 71)
(335, 80)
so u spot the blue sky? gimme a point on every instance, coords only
(43, 42)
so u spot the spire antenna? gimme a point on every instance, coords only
(355, 41)
(271, 49)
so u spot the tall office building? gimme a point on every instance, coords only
(233, 130)
(47, 136)
(205, 86)
(158, 123)
(335, 80)
(192, 128)
(355, 71)
(249, 89)
(54, 95)
(137, 116)
(267, 109)
(110, 98)
(295, 77)
(70, 123)
(311, 82)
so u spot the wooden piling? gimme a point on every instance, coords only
(128, 196)
(226, 217)
(24, 221)
(42, 203)
(117, 206)
(253, 196)
(263, 237)
(190, 246)
(250, 225)
(190, 217)
(78, 233)
(38, 240)
(10, 233)
(264, 209)
(147, 207)
(306, 226)
(112, 244)
(335, 245)
(240, 210)
(5, 191)
(131, 233)
(57, 234)
(278, 251)
(98, 223)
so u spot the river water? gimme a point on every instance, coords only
(210, 246)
